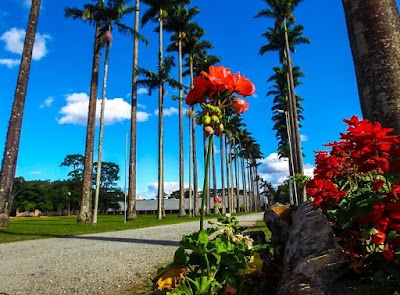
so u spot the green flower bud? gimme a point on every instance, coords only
(206, 120)
(214, 119)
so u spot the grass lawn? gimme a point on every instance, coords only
(30, 228)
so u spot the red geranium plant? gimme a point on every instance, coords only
(355, 185)
(215, 91)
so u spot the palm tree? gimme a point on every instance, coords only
(158, 10)
(10, 156)
(374, 33)
(178, 23)
(282, 12)
(94, 14)
(279, 92)
(152, 81)
(131, 214)
(115, 11)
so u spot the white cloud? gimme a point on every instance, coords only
(142, 106)
(152, 189)
(9, 62)
(276, 170)
(116, 110)
(36, 172)
(47, 102)
(168, 112)
(142, 90)
(303, 138)
(14, 43)
(255, 95)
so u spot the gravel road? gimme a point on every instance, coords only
(91, 264)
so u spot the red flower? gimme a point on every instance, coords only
(377, 185)
(323, 192)
(242, 85)
(240, 106)
(199, 92)
(219, 77)
(382, 224)
(378, 238)
(217, 200)
(388, 254)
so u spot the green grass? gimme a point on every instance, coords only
(260, 226)
(31, 228)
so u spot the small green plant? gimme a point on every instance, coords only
(209, 261)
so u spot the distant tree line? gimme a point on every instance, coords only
(64, 195)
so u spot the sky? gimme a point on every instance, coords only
(54, 123)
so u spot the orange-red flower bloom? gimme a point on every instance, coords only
(378, 238)
(241, 85)
(240, 106)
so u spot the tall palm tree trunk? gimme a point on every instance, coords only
(214, 173)
(191, 214)
(131, 215)
(374, 33)
(294, 121)
(160, 196)
(245, 199)
(237, 184)
(222, 159)
(231, 179)
(182, 211)
(101, 134)
(251, 190)
(84, 211)
(257, 188)
(10, 156)
(228, 182)
(194, 149)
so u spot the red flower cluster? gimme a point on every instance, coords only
(363, 148)
(323, 191)
(366, 146)
(217, 200)
(385, 217)
(220, 80)
(358, 162)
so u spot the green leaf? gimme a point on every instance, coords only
(184, 288)
(181, 257)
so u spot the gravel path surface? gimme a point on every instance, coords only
(91, 264)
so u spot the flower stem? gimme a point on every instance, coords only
(207, 168)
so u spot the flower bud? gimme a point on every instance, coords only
(208, 130)
(206, 120)
(214, 119)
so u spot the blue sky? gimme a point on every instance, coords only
(56, 103)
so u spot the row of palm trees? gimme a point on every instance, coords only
(172, 17)
(375, 66)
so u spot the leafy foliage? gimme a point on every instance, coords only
(213, 259)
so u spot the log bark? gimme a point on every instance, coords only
(312, 257)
